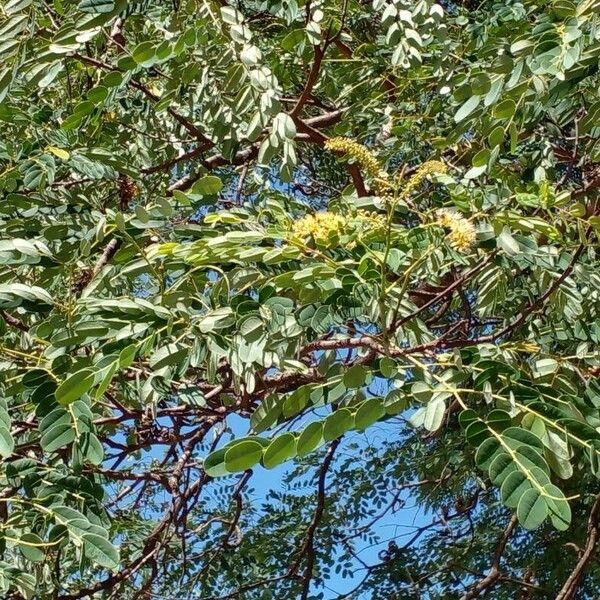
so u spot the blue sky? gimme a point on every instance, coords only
(394, 525)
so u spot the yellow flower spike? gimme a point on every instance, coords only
(364, 157)
(430, 167)
(462, 236)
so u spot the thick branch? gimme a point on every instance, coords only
(569, 589)
(250, 153)
(313, 76)
(490, 579)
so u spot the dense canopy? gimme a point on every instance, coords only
(299, 299)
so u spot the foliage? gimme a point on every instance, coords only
(360, 239)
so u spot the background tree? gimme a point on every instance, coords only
(359, 238)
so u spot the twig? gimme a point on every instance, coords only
(308, 548)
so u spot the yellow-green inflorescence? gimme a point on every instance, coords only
(431, 167)
(371, 167)
(325, 228)
(365, 158)
(462, 235)
(320, 226)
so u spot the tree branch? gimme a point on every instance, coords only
(490, 579)
(307, 548)
(569, 589)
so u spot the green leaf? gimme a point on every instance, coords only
(516, 436)
(31, 547)
(209, 185)
(505, 110)
(279, 450)
(31, 297)
(217, 319)
(368, 412)
(293, 39)
(58, 416)
(508, 243)
(433, 414)
(395, 402)
(7, 443)
(337, 424)
(467, 108)
(96, 6)
(513, 487)
(388, 367)
(310, 438)
(57, 436)
(487, 451)
(243, 455)
(560, 511)
(481, 158)
(100, 551)
(214, 464)
(355, 376)
(496, 137)
(501, 467)
(14, 6)
(106, 378)
(498, 420)
(60, 152)
(91, 448)
(169, 355)
(532, 509)
(144, 54)
(546, 366)
(74, 387)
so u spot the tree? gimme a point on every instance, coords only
(357, 239)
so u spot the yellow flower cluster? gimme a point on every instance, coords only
(427, 168)
(462, 236)
(320, 226)
(364, 158)
(324, 227)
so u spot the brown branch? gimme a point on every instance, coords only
(344, 49)
(314, 135)
(569, 589)
(532, 306)
(13, 321)
(116, 33)
(211, 163)
(237, 498)
(363, 341)
(183, 121)
(154, 542)
(250, 153)
(313, 76)
(131, 476)
(492, 577)
(240, 184)
(166, 165)
(109, 251)
(443, 341)
(307, 549)
(458, 282)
